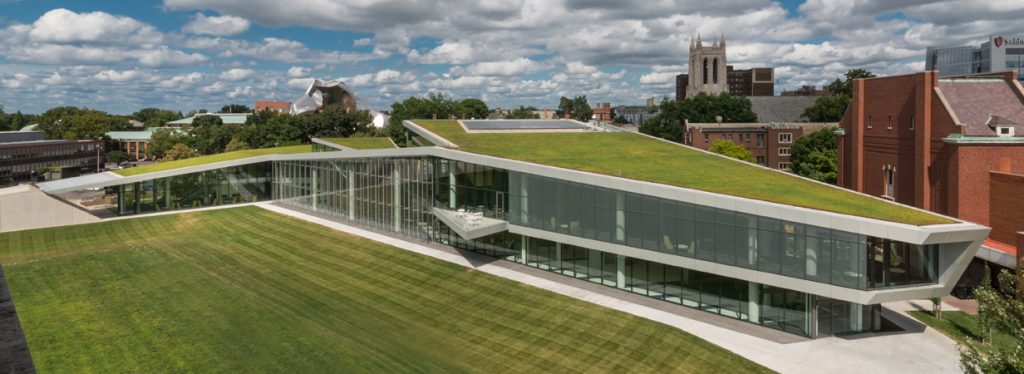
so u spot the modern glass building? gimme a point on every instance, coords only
(1000, 53)
(796, 269)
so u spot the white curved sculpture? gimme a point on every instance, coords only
(322, 95)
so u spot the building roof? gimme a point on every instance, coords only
(780, 108)
(976, 102)
(267, 105)
(639, 157)
(132, 135)
(358, 143)
(202, 160)
(228, 118)
(21, 136)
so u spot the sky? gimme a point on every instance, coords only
(120, 56)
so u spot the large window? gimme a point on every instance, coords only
(785, 137)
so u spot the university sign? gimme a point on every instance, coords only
(1000, 40)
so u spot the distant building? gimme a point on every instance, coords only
(768, 142)
(709, 73)
(780, 108)
(497, 113)
(546, 114)
(23, 153)
(950, 145)
(133, 143)
(807, 90)
(652, 101)
(1000, 53)
(226, 118)
(635, 114)
(603, 112)
(272, 106)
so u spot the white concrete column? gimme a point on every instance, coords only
(524, 200)
(620, 271)
(856, 317)
(396, 181)
(558, 254)
(351, 195)
(451, 186)
(620, 216)
(316, 189)
(523, 244)
(754, 302)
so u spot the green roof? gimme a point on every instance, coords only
(362, 143)
(202, 160)
(227, 118)
(638, 157)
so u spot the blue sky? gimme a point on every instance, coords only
(120, 56)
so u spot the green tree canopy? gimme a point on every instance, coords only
(337, 122)
(577, 108)
(236, 145)
(155, 117)
(162, 141)
(416, 107)
(999, 309)
(728, 148)
(235, 108)
(473, 108)
(180, 151)
(522, 113)
(814, 155)
(670, 122)
(116, 157)
(832, 108)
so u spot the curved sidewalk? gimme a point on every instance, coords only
(918, 350)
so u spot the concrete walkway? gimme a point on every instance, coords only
(917, 351)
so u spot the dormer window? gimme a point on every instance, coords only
(1004, 130)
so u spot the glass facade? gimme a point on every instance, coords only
(398, 195)
(232, 185)
(717, 235)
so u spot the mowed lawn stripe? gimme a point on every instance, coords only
(247, 290)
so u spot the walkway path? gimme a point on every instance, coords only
(920, 350)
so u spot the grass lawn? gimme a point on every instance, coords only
(636, 157)
(246, 290)
(962, 328)
(362, 143)
(202, 160)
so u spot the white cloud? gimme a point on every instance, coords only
(15, 82)
(216, 25)
(117, 76)
(297, 72)
(65, 26)
(237, 74)
(518, 66)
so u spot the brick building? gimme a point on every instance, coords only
(950, 145)
(769, 143)
(603, 112)
(709, 73)
(274, 106)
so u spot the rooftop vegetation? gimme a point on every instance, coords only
(245, 290)
(634, 156)
(362, 142)
(203, 160)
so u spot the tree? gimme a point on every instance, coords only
(435, 104)
(576, 108)
(669, 123)
(155, 117)
(180, 151)
(162, 141)
(522, 113)
(832, 108)
(236, 145)
(619, 118)
(999, 309)
(235, 108)
(337, 122)
(116, 157)
(728, 148)
(88, 124)
(473, 108)
(210, 135)
(814, 155)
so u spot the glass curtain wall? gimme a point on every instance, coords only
(471, 187)
(722, 236)
(390, 194)
(231, 185)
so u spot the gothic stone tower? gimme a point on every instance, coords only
(707, 68)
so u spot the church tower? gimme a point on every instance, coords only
(707, 68)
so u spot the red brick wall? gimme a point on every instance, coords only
(1007, 206)
(974, 162)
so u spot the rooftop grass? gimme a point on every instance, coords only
(638, 157)
(203, 160)
(362, 143)
(246, 290)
